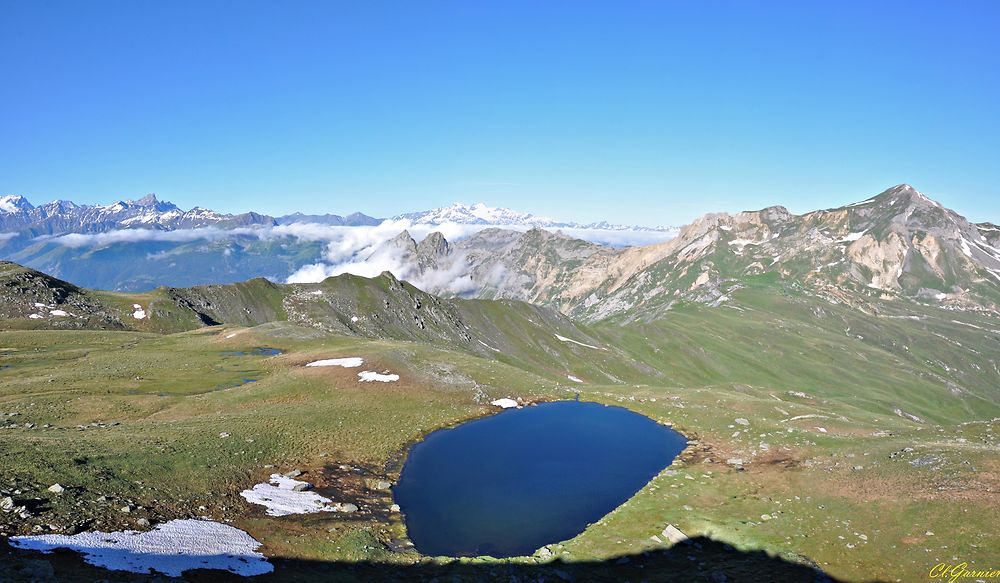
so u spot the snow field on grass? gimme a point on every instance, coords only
(170, 548)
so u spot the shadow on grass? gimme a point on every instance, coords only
(699, 559)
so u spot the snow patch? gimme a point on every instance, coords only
(574, 379)
(564, 339)
(281, 499)
(367, 376)
(505, 403)
(965, 247)
(488, 346)
(170, 548)
(139, 313)
(58, 312)
(988, 249)
(349, 362)
(851, 237)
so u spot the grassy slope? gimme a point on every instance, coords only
(698, 368)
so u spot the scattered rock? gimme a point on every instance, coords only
(346, 507)
(293, 474)
(383, 485)
(56, 489)
(742, 421)
(394, 508)
(673, 534)
(301, 487)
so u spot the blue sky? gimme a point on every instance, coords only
(636, 112)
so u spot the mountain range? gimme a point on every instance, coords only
(18, 215)
(481, 214)
(136, 245)
(898, 244)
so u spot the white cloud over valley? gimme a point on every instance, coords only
(360, 250)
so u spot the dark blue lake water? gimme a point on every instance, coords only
(508, 484)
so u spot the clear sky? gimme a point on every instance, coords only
(636, 112)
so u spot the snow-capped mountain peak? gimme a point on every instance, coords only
(476, 214)
(482, 214)
(148, 212)
(13, 203)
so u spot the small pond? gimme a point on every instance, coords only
(508, 484)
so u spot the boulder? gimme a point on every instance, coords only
(673, 534)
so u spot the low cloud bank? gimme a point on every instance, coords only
(362, 250)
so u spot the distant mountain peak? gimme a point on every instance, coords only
(62, 216)
(13, 203)
(482, 214)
